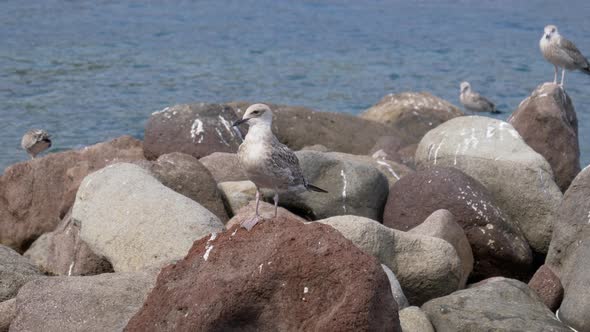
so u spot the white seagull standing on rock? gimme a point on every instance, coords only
(474, 102)
(562, 53)
(267, 162)
(35, 141)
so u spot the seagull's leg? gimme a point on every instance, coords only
(555, 74)
(248, 224)
(276, 199)
(562, 77)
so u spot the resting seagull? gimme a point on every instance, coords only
(562, 53)
(267, 162)
(474, 102)
(35, 141)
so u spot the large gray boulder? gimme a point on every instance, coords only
(492, 152)
(576, 305)
(547, 122)
(197, 129)
(104, 302)
(498, 304)
(354, 187)
(411, 113)
(129, 217)
(15, 271)
(7, 314)
(572, 225)
(426, 267)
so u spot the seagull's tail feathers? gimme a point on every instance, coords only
(311, 187)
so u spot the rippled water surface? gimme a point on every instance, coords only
(88, 71)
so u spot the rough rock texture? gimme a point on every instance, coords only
(497, 305)
(547, 122)
(283, 275)
(187, 176)
(298, 127)
(354, 187)
(196, 129)
(576, 305)
(392, 170)
(15, 271)
(492, 152)
(412, 113)
(224, 167)
(548, 287)
(413, 319)
(35, 195)
(7, 314)
(572, 225)
(388, 147)
(62, 252)
(237, 194)
(396, 288)
(426, 267)
(266, 211)
(129, 217)
(499, 248)
(442, 224)
(96, 303)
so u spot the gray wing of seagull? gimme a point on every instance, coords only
(574, 53)
(285, 166)
(474, 101)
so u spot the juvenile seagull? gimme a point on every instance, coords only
(267, 162)
(473, 101)
(35, 141)
(562, 53)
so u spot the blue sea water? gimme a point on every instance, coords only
(88, 71)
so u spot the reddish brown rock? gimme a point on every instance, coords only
(548, 286)
(413, 114)
(187, 176)
(35, 195)
(63, 253)
(499, 248)
(195, 129)
(224, 167)
(547, 122)
(281, 276)
(298, 127)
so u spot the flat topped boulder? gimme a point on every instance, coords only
(283, 275)
(491, 151)
(35, 195)
(298, 127)
(196, 129)
(412, 113)
(547, 122)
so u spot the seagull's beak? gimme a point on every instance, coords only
(239, 122)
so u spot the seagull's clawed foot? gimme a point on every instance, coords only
(248, 224)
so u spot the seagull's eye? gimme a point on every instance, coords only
(552, 30)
